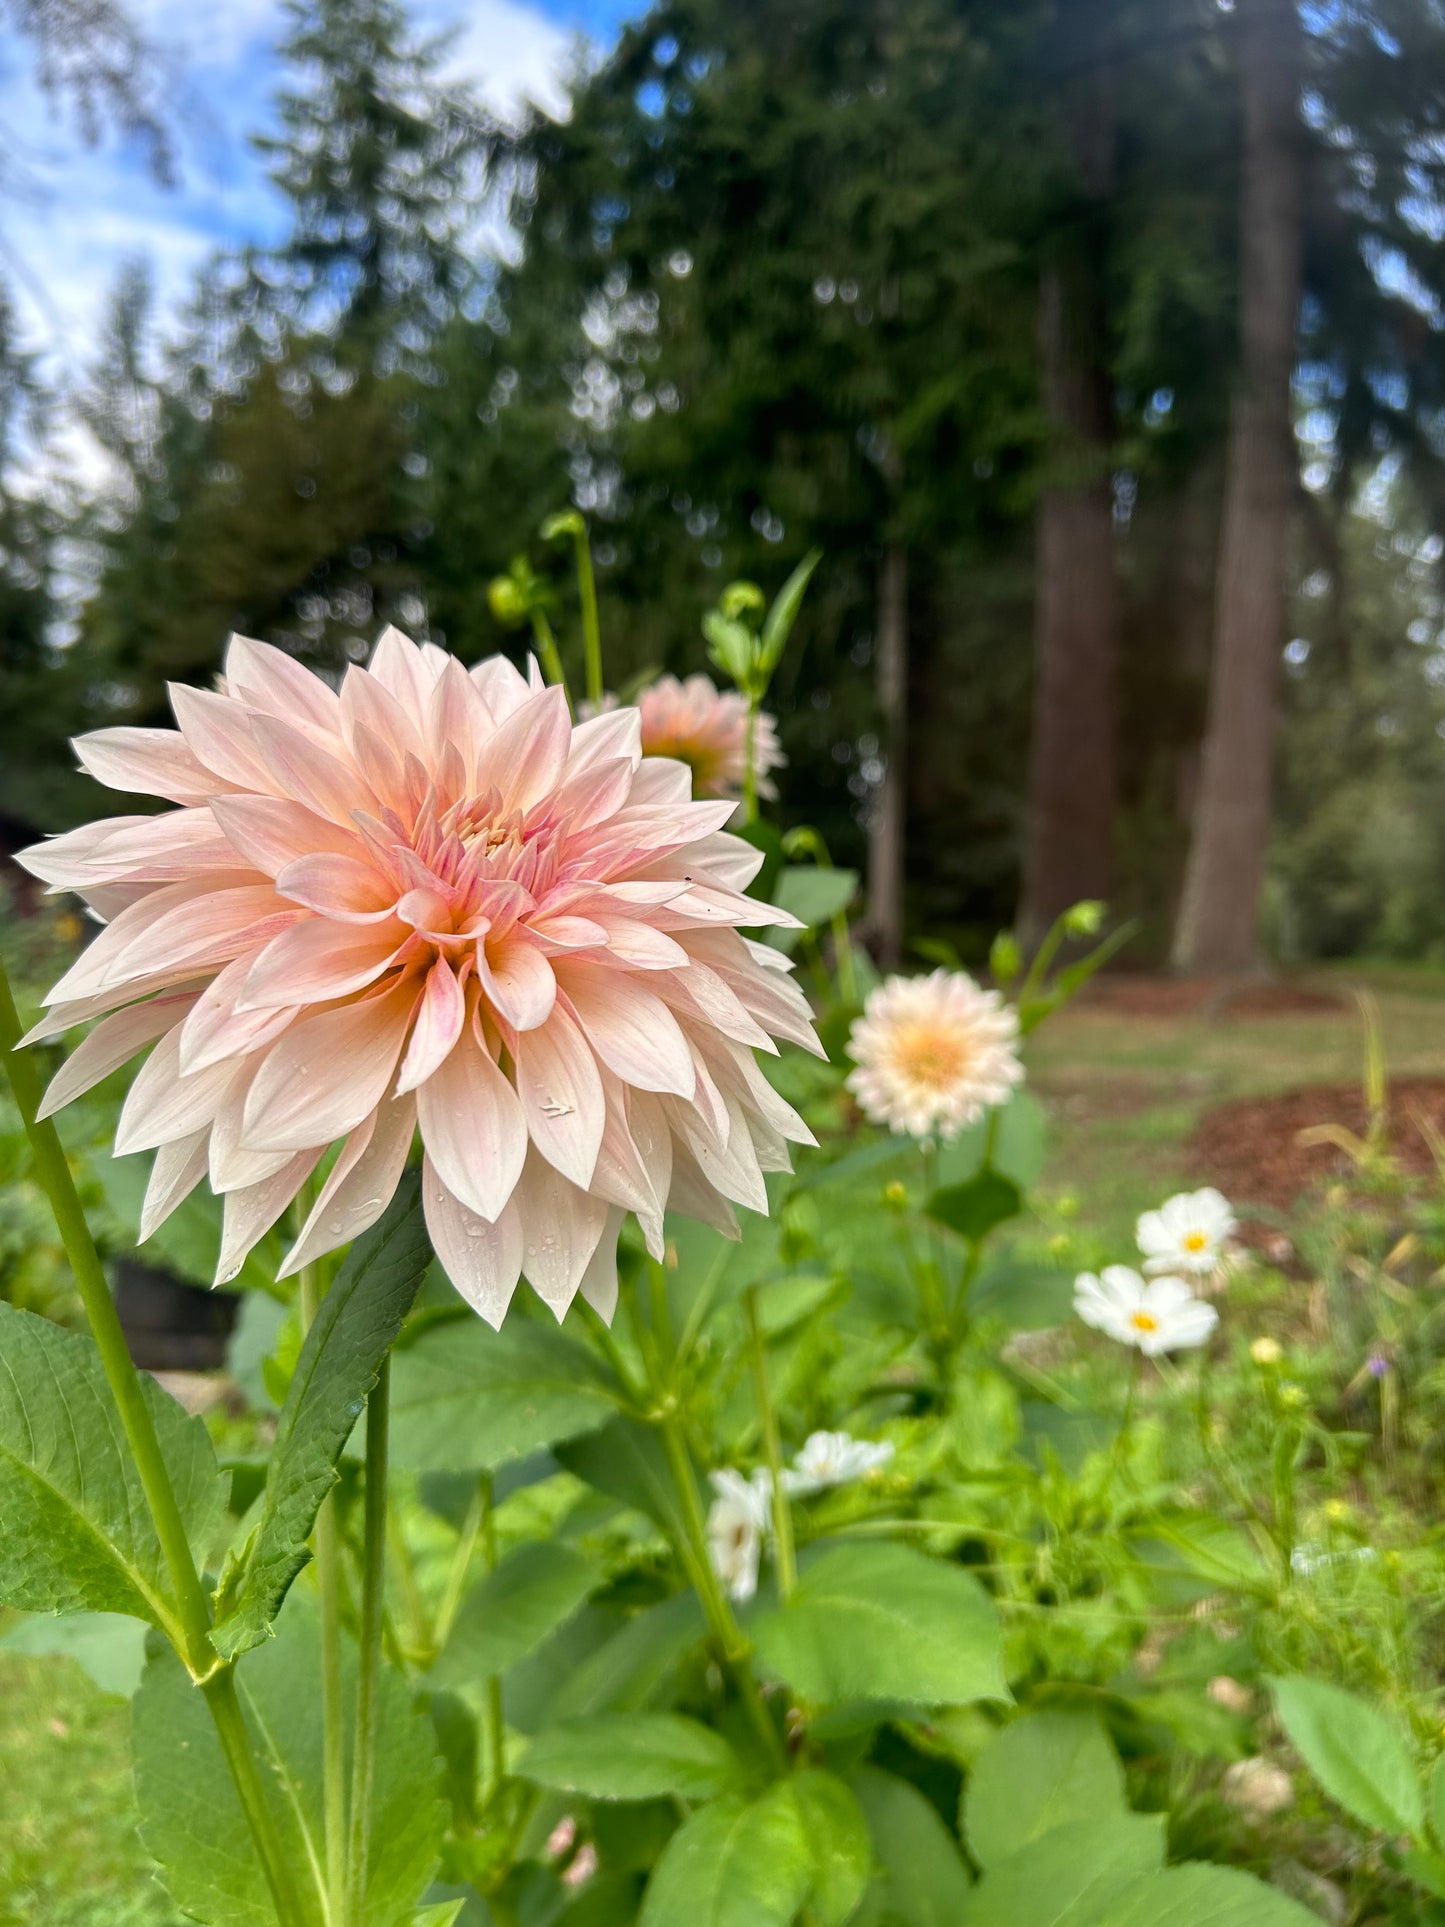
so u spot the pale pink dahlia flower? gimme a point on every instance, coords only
(706, 728)
(933, 1053)
(426, 903)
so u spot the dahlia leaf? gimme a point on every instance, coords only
(535, 1589)
(1038, 1773)
(192, 1822)
(632, 1756)
(842, 1851)
(77, 1529)
(922, 1881)
(358, 1322)
(1074, 1873)
(977, 1207)
(735, 1863)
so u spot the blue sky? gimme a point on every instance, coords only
(86, 210)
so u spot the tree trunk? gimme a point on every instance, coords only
(1218, 928)
(886, 829)
(1072, 777)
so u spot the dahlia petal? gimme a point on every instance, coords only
(501, 687)
(593, 794)
(473, 1129)
(232, 1164)
(204, 931)
(80, 1010)
(647, 1128)
(694, 1196)
(640, 945)
(328, 1071)
(359, 1186)
(439, 1021)
(148, 762)
(272, 831)
(111, 1044)
(517, 980)
(162, 1105)
(133, 849)
(338, 886)
(215, 1029)
(524, 759)
(398, 665)
(457, 717)
(366, 704)
(622, 1176)
(483, 1261)
(66, 859)
(95, 969)
(250, 1213)
(700, 992)
(662, 779)
(632, 1031)
(306, 772)
(561, 1093)
(316, 961)
(179, 1167)
(219, 731)
(598, 1284)
(562, 1226)
(615, 733)
(568, 933)
(267, 678)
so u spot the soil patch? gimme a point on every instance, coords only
(1214, 999)
(1250, 1147)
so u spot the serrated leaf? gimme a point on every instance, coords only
(977, 1206)
(109, 1647)
(874, 1621)
(1358, 1756)
(626, 1461)
(508, 1614)
(632, 1756)
(192, 1822)
(735, 1863)
(631, 1668)
(1199, 1896)
(354, 1329)
(465, 1397)
(77, 1530)
(1064, 1877)
(837, 1831)
(924, 1882)
(1038, 1773)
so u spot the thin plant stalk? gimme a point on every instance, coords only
(772, 1448)
(190, 1632)
(333, 1711)
(461, 1563)
(591, 625)
(548, 653)
(496, 1725)
(750, 762)
(368, 1682)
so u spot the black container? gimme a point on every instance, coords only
(169, 1324)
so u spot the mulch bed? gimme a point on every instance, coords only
(1250, 1147)
(1223, 999)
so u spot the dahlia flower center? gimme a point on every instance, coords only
(1144, 1321)
(1195, 1241)
(931, 1058)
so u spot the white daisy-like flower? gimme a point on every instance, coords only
(1154, 1314)
(933, 1053)
(834, 1458)
(736, 1526)
(1187, 1233)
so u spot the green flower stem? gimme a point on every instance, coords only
(333, 1713)
(750, 761)
(547, 651)
(373, 1586)
(496, 1725)
(772, 1448)
(591, 626)
(52, 1170)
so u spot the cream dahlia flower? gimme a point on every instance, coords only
(705, 727)
(1187, 1234)
(1155, 1315)
(425, 903)
(933, 1053)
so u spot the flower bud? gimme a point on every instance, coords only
(1266, 1351)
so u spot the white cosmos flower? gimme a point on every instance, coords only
(736, 1526)
(933, 1053)
(1187, 1233)
(834, 1458)
(1156, 1314)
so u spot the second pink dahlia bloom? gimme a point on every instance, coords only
(706, 728)
(425, 903)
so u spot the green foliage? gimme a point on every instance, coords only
(1358, 1756)
(77, 1532)
(734, 1863)
(632, 1756)
(1042, 1770)
(108, 1647)
(508, 1613)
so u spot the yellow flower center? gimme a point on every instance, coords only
(1195, 1241)
(1144, 1321)
(929, 1056)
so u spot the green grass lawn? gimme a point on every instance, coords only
(1124, 1093)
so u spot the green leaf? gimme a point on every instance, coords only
(733, 1864)
(730, 646)
(974, 1208)
(1197, 1896)
(77, 1531)
(632, 1756)
(1068, 1874)
(192, 1822)
(464, 1397)
(631, 1667)
(442, 1913)
(1027, 1297)
(813, 895)
(778, 623)
(784, 1303)
(1437, 1801)
(924, 1881)
(874, 1621)
(535, 1589)
(626, 1461)
(354, 1329)
(1021, 1140)
(109, 1647)
(1358, 1756)
(1039, 1773)
(837, 1831)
